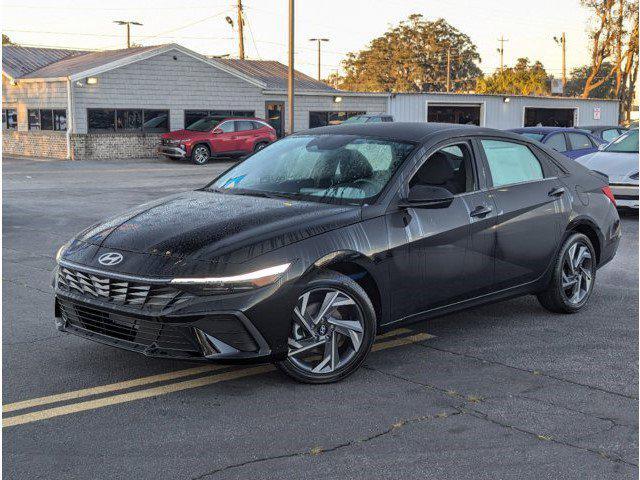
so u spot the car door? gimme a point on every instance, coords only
(224, 137)
(245, 135)
(434, 250)
(580, 144)
(531, 209)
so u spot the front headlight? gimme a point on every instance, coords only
(61, 251)
(235, 283)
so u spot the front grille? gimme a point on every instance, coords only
(138, 295)
(145, 335)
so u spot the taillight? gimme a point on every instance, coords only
(607, 191)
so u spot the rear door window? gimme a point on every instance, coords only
(243, 125)
(557, 142)
(579, 141)
(511, 162)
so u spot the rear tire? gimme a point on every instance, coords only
(573, 276)
(327, 347)
(200, 154)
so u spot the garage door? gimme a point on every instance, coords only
(549, 117)
(454, 113)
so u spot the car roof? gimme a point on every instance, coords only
(601, 127)
(403, 131)
(546, 129)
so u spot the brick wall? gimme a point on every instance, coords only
(34, 143)
(114, 146)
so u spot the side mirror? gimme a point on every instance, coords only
(426, 196)
(217, 131)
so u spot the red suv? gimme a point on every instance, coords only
(215, 136)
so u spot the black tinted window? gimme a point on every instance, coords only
(450, 168)
(34, 119)
(101, 119)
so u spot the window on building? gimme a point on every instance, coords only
(9, 118)
(47, 119)
(322, 119)
(192, 116)
(511, 162)
(134, 119)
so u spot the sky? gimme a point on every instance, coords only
(349, 24)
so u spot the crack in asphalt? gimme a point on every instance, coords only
(319, 450)
(533, 372)
(483, 416)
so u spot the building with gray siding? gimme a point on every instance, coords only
(115, 104)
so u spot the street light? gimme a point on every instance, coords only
(319, 40)
(128, 23)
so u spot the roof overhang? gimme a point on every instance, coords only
(137, 57)
(328, 94)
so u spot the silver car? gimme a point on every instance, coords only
(618, 160)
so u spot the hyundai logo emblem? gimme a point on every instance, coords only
(110, 259)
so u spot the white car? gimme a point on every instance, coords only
(618, 160)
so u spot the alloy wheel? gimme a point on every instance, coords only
(200, 155)
(577, 273)
(327, 331)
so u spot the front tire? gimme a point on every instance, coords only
(573, 276)
(200, 154)
(333, 329)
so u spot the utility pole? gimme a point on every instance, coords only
(128, 23)
(448, 69)
(319, 40)
(240, 31)
(562, 41)
(501, 51)
(291, 70)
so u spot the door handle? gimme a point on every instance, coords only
(557, 191)
(480, 211)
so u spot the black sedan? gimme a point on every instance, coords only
(306, 250)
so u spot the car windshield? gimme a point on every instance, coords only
(204, 124)
(534, 136)
(356, 119)
(625, 143)
(326, 168)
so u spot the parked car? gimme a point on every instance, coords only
(306, 250)
(217, 137)
(369, 118)
(572, 142)
(619, 161)
(606, 133)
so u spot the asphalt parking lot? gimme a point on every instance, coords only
(506, 391)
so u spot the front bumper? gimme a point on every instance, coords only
(626, 195)
(172, 152)
(187, 327)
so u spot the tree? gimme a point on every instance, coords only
(522, 79)
(578, 79)
(614, 40)
(6, 40)
(412, 57)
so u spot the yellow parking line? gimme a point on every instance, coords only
(137, 382)
(172, 387)
(112, 387)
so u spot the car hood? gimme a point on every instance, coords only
(615, 165)
(207, 226)
(181, 134)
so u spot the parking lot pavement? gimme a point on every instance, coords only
(503, 391)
